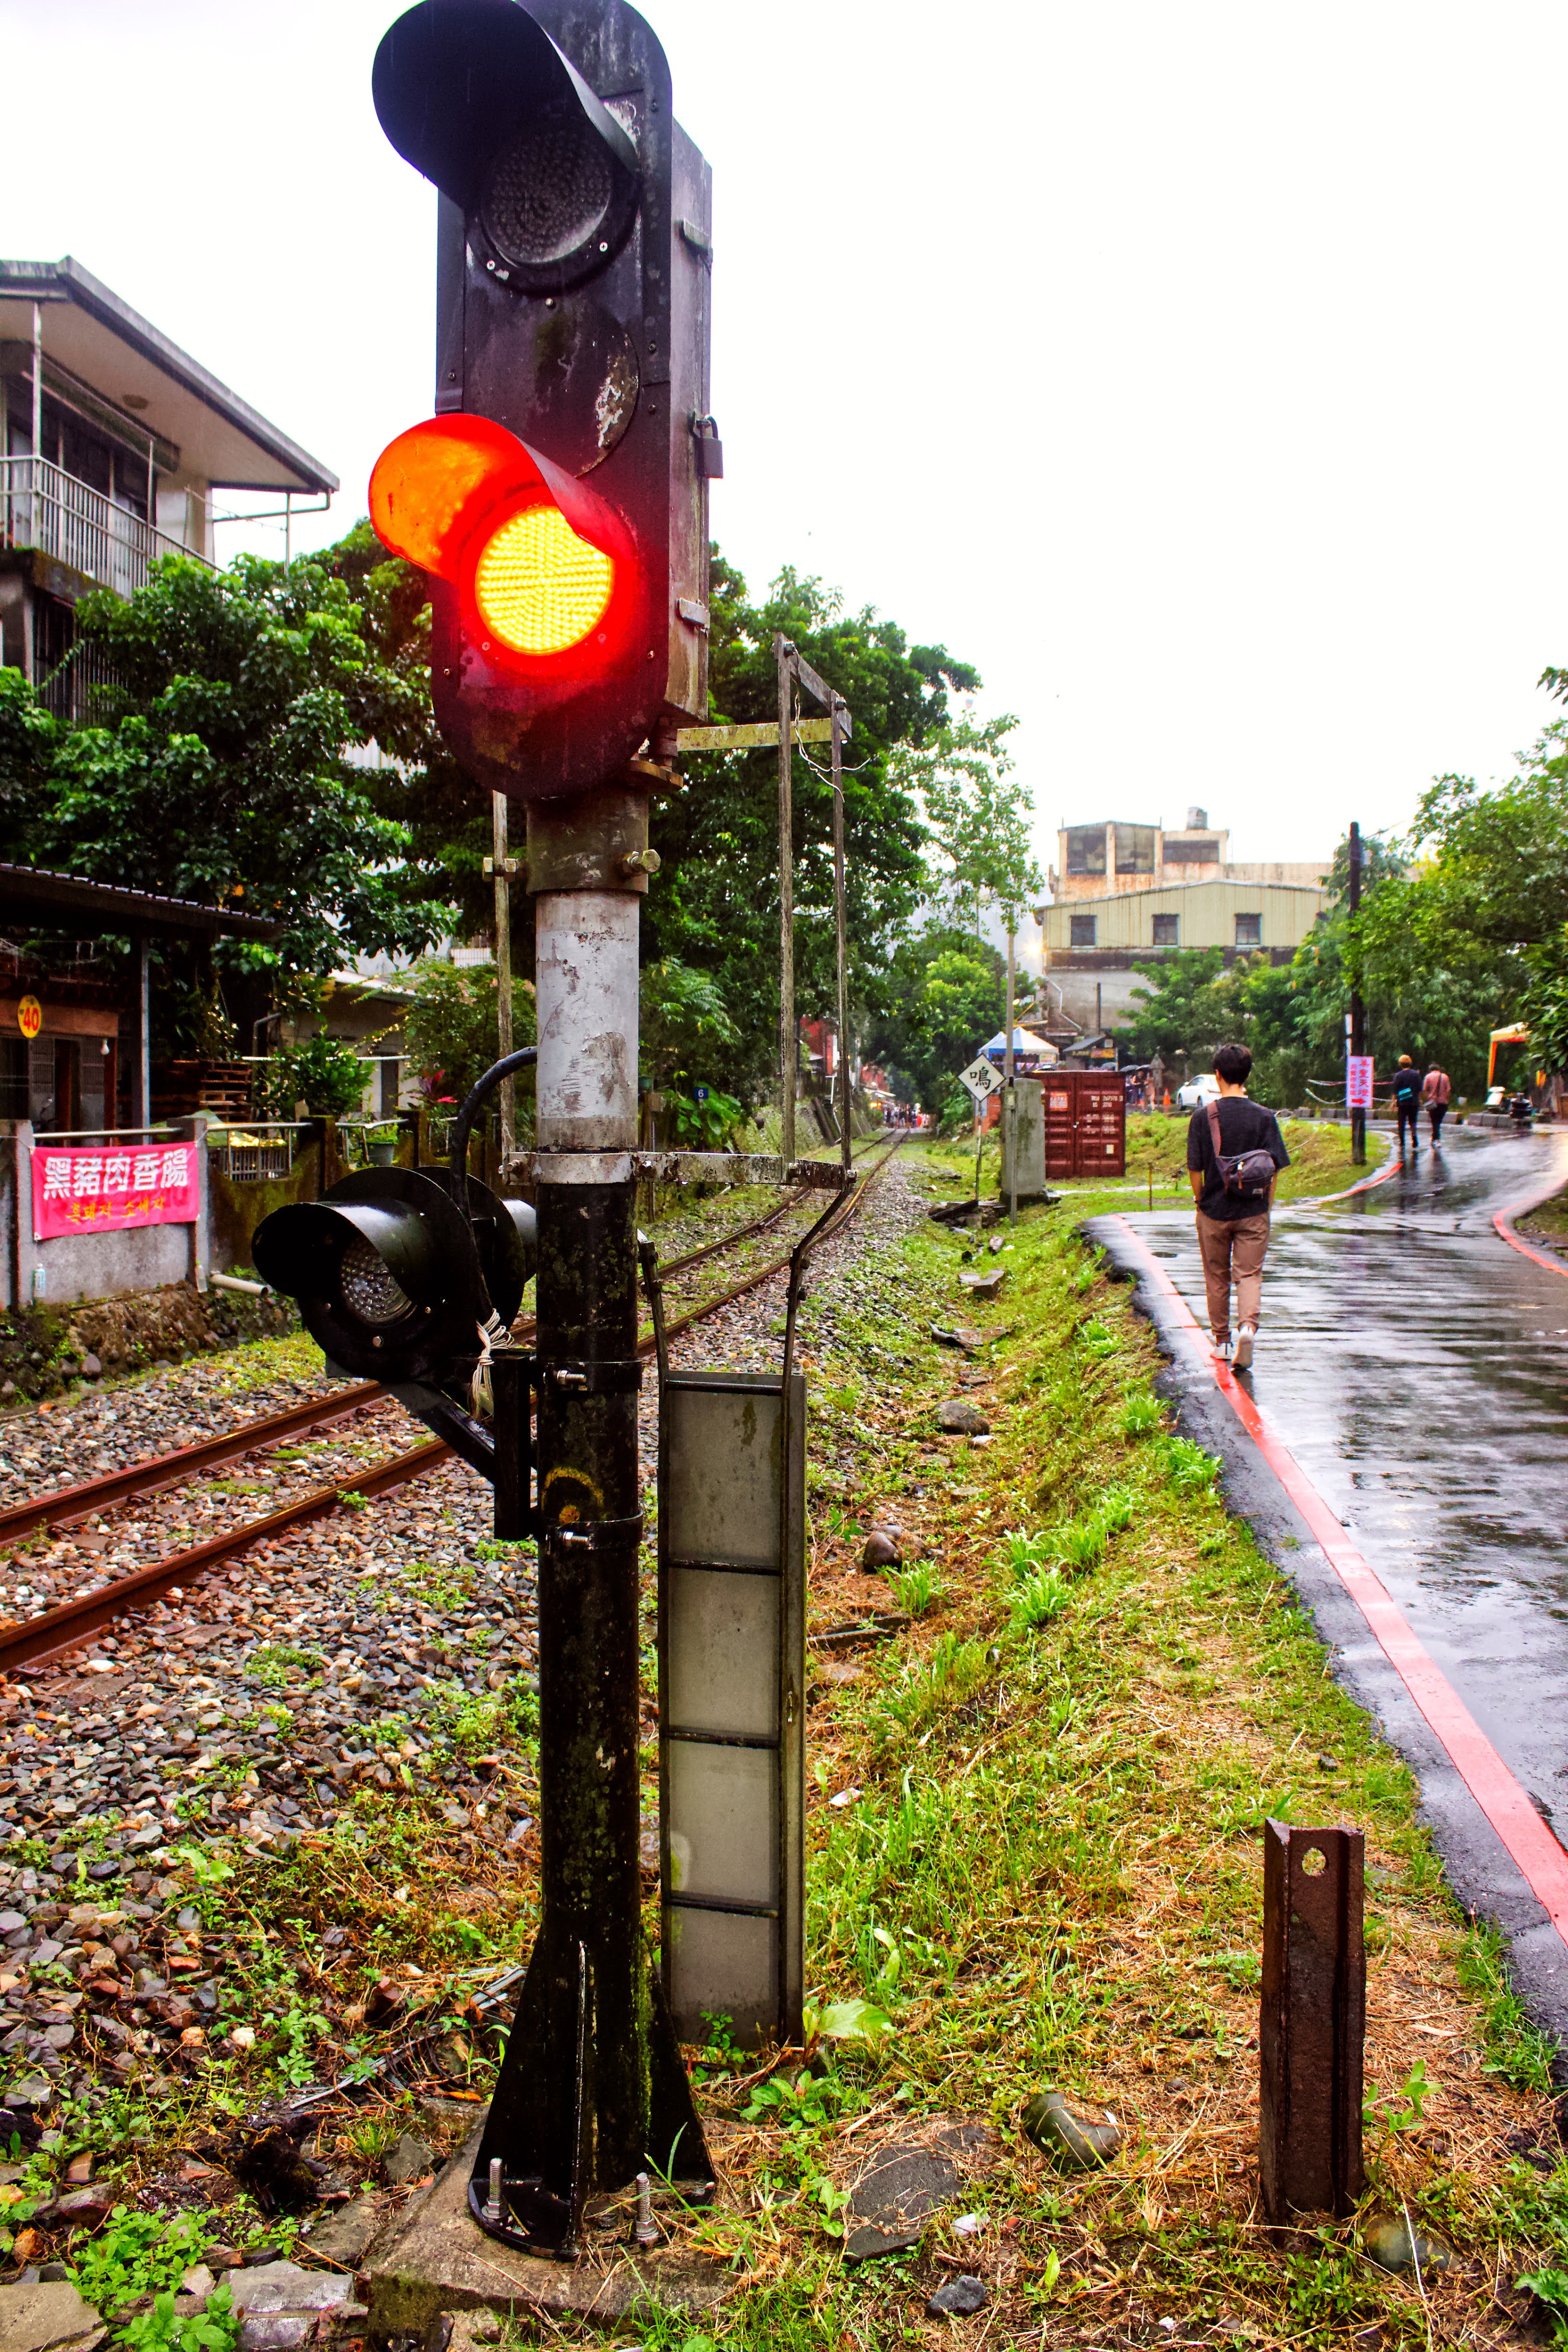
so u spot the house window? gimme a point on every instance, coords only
(1249, 931)
(1167, 930)
(13, 1077)
(1135, 849)
(1192, 853)
(1086, 849)
(1082, 930)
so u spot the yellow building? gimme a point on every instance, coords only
(1094, 939)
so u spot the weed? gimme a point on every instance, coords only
(1140, 1414)
(915, 1589)
(275, 1666)
(440, 1587)
(136, 2254)
(946, 1679)
(352, 1500)
(1117, 1509)
(1096, 1341)
(1081, 1543)
(215, 2328)
(1550, 2287)
(1189, 1469)
(1403, 2110)
(1518, 2051)
(1040, 1597)
(1024, 1552)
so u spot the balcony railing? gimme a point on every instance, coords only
(44, 507)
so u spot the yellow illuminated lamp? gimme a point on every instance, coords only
(540, 587)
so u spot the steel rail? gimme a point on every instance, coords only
(32, 1641)
(65, 1507)
(70, 1622)
(66, 1504)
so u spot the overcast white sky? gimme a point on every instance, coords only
(1196, 371)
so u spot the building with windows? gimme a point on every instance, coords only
(1107, 859)
(1125, 895)
(112, 442)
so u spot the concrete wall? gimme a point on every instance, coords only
(89, 1266)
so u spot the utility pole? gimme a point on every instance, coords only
(1358, 1010)
(503, 867)
(788, 1055)
(1010, 1090)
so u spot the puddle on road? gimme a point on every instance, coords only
(1417, 1369)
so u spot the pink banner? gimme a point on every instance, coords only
(105, 1192)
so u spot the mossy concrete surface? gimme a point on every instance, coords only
(440, 2260)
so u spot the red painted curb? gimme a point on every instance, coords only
(1503, 1224)
(1390, 1167)
(1540, 1859)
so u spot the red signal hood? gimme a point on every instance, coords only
(544, 565)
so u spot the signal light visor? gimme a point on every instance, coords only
(545, 563)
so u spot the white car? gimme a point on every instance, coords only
(1198, 1091)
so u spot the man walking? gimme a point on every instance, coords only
(1436, 1090)
(1407, 1103)
(1235, 1152)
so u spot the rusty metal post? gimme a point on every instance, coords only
(788, 1056)
(838, 931)
(1313, 2021)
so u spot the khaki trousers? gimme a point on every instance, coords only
(1232, 1248)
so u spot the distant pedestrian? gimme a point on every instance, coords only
(1235, 1152)
(1407, 1103)
(1436, 1090)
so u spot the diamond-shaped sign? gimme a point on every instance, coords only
(982, 1077)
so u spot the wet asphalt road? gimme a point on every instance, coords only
(1416, 1366)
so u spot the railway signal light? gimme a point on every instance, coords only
(393, 1283)
(559, 497)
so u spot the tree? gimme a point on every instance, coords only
(221, 770)
(685, 1031)
(946, 994)
(1545, 1003)
(714, 908)
(453, 1029)
(979, 819)
(420, 784)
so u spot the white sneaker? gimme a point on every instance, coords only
(1241, 1354)
(1222, 1348)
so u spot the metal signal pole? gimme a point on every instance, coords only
(1358, 1010)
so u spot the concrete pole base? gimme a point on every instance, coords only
(440, 2260)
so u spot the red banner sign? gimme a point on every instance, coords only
(105, 1192)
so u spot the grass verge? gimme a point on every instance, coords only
(1548, 1224)
(1035, 1818)
(1035, 1850)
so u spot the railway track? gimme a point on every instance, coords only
(30, 1641)
(68, 1506)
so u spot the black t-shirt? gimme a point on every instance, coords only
(1407, 1086)
(1244, 1126)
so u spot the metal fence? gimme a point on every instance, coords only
(257, 1152)
(42, 506)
